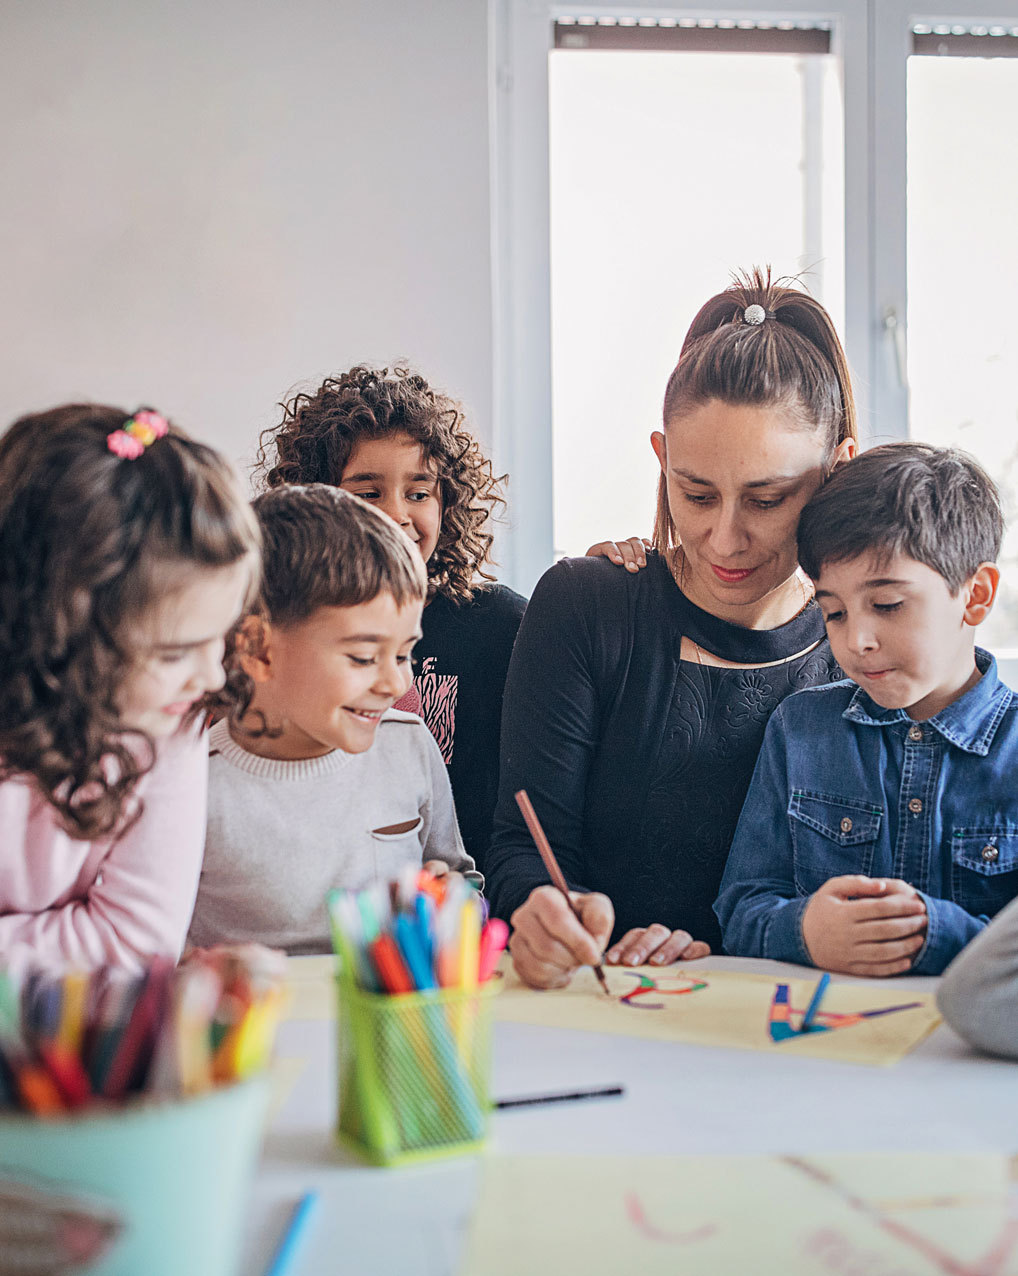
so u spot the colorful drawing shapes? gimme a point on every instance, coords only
(648, 984)
(780, 1018)
(781, 1012)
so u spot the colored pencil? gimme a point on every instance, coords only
(66, 1070)
(102, 1035)
(551, 864)
(282, 1260)
(814, 1002)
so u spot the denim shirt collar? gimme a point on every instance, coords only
(970, 722)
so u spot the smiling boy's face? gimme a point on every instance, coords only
(327, 680)
(898, 631)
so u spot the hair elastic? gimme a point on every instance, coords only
(754, 315)
(135, 435)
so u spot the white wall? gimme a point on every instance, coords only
(208, 201)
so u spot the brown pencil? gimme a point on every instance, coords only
(551, 864)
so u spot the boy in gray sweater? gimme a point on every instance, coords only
(978, 995)
(317, 782)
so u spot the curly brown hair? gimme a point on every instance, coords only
(85, 540)
(318, 432)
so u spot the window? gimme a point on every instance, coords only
(963, 271)
(917, 189)
(668, 169)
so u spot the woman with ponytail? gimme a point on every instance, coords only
(636, 702)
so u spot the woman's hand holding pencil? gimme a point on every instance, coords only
(557, 929)
(554, 935)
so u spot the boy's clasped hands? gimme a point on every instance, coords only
(856, 925)
(549, 943)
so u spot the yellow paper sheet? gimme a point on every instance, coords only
(875, 1215)
(285, 1075)
(732, 1010)
(311, 987)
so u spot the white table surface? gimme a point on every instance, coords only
(679, 1099)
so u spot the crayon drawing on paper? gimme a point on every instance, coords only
(894, 1214)
(857, 1023)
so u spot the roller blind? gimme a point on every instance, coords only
(693, 35)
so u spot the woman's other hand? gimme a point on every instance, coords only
(548, 942)
(632, 553)
(656, 944)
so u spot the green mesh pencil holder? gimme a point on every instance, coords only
(414, 1072)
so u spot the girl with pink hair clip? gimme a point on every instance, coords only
(127, 550)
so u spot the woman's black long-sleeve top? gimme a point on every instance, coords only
(637, 762)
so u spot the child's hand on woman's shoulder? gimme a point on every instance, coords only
(631, 553)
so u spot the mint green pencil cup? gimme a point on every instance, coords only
(154, 1188)
(414, 1072)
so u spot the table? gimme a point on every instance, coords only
(679, 1099)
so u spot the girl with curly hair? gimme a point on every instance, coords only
(387, 436)
(127, 550)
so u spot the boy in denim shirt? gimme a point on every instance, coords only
(880, 831)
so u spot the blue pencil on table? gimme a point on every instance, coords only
(814, 1002)
(282, 1260)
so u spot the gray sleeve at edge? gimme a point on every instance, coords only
(978, 994)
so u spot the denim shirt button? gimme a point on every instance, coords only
(915, 806)
(915, 733)
(846, 825)
(989, 854)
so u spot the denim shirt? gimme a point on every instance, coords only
(844, 786)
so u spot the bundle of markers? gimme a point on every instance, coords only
(415, 957)
(415, 934)
(82, 1040)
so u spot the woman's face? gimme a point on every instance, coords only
(737, 479)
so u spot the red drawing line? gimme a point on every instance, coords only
(647, 984)
(642, 1223)
(838, 1253)
(991, 1264)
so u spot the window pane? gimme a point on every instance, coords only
(668, 172)
(963, 279)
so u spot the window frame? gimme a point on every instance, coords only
(890, 46)
(873, 41)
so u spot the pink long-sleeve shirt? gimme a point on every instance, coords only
(67, 903)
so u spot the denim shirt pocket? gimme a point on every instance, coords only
(831, 835)
(984, 867)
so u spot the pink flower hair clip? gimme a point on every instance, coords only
(135, 435)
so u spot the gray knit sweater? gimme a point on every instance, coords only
(978, 995)
(281, 834)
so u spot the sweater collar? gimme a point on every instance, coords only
(221, 743)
